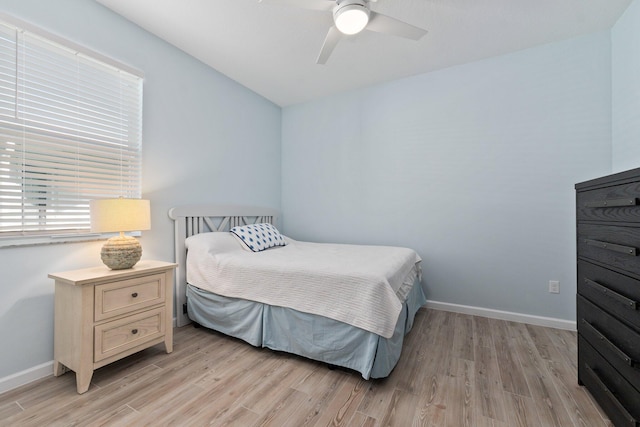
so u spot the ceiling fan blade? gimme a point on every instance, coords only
(322, 5)
(330, 42)
(385, 24)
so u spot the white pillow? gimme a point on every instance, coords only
(213, 242)
(259, 237)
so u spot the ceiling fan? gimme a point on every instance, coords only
(351, 17)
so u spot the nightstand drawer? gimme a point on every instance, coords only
(117, 298)
(620, 203)
(121, 335)
(613, 246)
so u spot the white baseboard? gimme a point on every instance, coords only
(25, 377)
(550, 322)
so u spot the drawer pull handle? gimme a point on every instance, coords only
(627, 302)
(612, 247)
(134, 295)
(611, 203)
(621, 354)
(134, 331)
(610, 394)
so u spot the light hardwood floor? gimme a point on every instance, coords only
(455, 370)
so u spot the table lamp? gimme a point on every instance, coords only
(120, 215)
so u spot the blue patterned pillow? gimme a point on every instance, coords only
(259, 237)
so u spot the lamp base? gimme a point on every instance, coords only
(121, 252)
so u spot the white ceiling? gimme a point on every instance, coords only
(272, 49)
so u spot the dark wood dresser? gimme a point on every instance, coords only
(608, 246)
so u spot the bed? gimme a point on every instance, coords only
(329, 303)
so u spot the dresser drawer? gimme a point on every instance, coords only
(121, 335)
(619, 344)
(614, 292)
(611, 245)
(612, 392)
(122, 297)
(620, 203)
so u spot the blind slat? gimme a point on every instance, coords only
(70, 132)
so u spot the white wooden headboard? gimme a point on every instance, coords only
(194, 219)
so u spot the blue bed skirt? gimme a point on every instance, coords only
(315, 337)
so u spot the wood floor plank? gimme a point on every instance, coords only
(343, 405)
(482, 421)
(410, 368)
(169, 406)
(443, 342)
(482, 336)
(9, 409)
(463, 337)
(108, 418)
(565, 341)
(455, 370)
(83, 407)
(562, 370)
(460, 409)
(377, 398)
(266, 392)
(239, 416)
(550, 409)
(315, 375)
(287, 411)
(513, 380)
(42, 390)
(225, 388)
(400, 411)
(428, 325)
(432, 404)
(102, 377)
(231, 366)
(421, 362)
(521, 410)
(489, 402)
(544, 345)
(227, 400)
(173, 378)
(321, 396)
(361, 420)
(580, 407)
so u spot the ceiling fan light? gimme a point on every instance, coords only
(351, 19)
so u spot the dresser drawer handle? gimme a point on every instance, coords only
(612, 247)
(627, 302)
(134, 331)
(611, 395)
(611, 203)
(134, 295)
(621, 354)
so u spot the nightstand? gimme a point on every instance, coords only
(103, 315)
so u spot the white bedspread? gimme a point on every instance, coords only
(363, 286)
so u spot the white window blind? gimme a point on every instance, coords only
(70, 131)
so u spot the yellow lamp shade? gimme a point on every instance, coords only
(116, 215)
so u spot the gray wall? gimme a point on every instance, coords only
(625, 40)
(472, 166)
(205, 139)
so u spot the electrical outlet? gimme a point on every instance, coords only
(554, 286)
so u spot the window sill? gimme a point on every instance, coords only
(20, 241)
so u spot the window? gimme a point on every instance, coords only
(70, 131)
